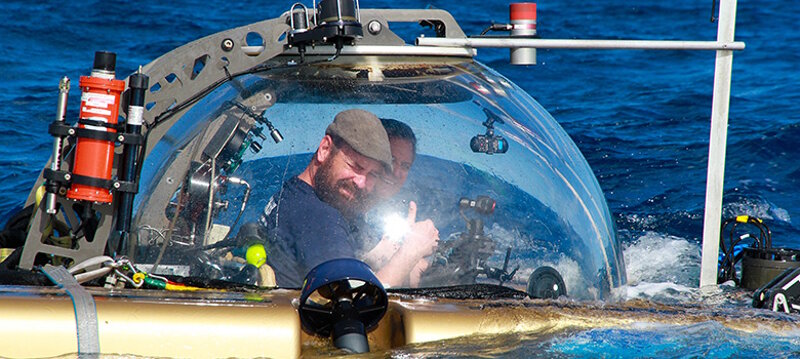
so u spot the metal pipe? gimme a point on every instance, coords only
(137, 85)
(51, 206)
(716, 146)
(393, 50)
(581, 44)
(241, 182)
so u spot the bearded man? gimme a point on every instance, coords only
(310, 220)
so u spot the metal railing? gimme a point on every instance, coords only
(580, 44)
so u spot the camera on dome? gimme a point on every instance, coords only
(488, 144)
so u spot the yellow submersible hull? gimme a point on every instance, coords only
(40, 322)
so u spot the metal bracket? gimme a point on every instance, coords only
(187, 70)
(85, 249)
(183, 72)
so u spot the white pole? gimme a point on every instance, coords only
(716, 145)
(581, 44)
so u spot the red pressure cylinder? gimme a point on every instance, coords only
(100, 100)
(523, 20)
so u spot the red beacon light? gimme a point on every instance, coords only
(523, 21)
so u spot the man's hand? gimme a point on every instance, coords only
(409, 262)
(416, 272)
(382, 252)
(422, 237)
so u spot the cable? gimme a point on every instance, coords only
(496, 27)
(93, 274)
(107, 265)
(730, 257)
(90, 262)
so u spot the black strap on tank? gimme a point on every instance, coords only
(68, 178)
(61, 130)
(89, 122)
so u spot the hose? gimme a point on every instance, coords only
(730, 257)
(107, 267)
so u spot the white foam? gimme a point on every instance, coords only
(665, 292)
(659, 258)
(661, 267)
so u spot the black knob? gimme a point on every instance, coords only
(104, 60)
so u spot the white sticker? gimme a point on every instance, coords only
(97, 100)
(96, 111)
(135, 115)
(97, 128)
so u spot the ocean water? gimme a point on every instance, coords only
(641, 118)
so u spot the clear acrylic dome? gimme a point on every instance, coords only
(200, 185)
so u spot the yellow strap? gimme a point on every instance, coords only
(39, 195)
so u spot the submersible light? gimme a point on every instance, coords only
(336, 22)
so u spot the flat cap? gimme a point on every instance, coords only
(364, 132)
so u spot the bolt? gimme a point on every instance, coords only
(374, 27)
(227, 45)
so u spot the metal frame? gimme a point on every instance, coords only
(173, 80)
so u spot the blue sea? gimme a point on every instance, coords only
(641, 118)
